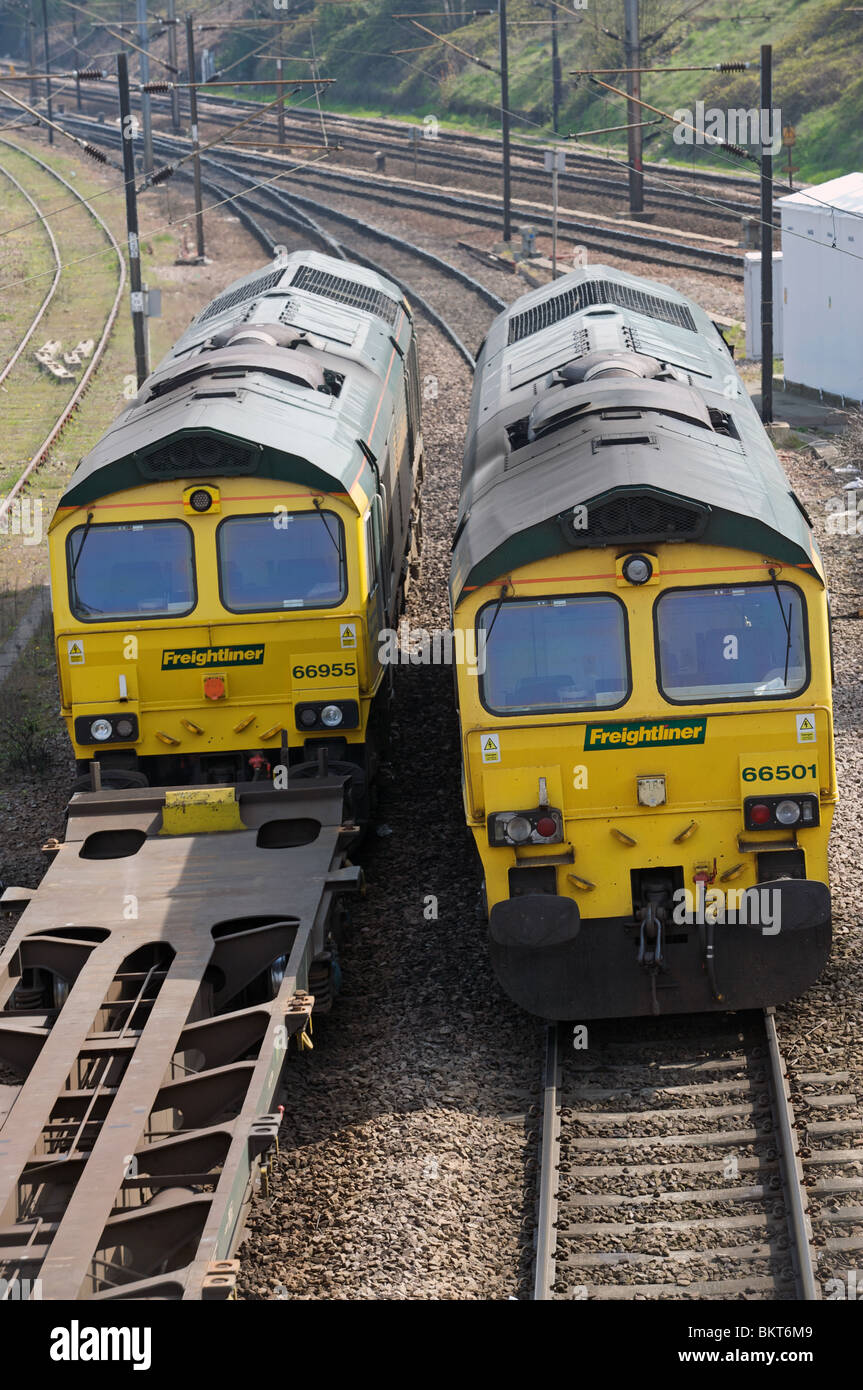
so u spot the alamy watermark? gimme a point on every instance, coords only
(22, 517)
(710, 125)
(845, 514)
(751, 907)
(407, 646)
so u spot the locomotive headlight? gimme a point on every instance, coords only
(518, 829)
(101, 729)
(318, 715)
(637, 569)
(201, 498)
(787, 813)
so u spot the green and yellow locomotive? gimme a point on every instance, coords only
(648, 744)
(225, 557)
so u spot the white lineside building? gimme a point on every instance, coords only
(822, 279)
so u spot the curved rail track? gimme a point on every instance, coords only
(99, 349)
(671, 1166)
(40, 312)
(479, 209)
(306, 214)
(481, 155)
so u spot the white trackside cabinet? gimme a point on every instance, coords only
(822, 287)
(752, 302)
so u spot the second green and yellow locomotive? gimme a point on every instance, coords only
(224, 559)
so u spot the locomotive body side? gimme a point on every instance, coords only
(648, 740)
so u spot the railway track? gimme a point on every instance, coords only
(476, 209)
(672, 1166)
(666, 186)
(40, 312)
(278, 208)
(99, 350)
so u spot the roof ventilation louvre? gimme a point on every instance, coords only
(638, 517)
(722, 422)
(350, 292)
(202, 455)
(241, 294)
(590, 292)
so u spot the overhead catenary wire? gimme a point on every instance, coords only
(239, 82)
(94, 153)
(702, 197)
(712, 140)
(166, 226)
(167, 170)
(480, 63)
(732, 66)
(114, 187)
(124, 40)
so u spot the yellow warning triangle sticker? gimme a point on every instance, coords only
(806, 724)
(490, 744)
(75, 648)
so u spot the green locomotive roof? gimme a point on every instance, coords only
(661, 442)
(305, 410)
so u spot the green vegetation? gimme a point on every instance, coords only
(818, 78)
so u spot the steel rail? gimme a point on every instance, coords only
(40, 312)
(98, 351)
(528, 172)
(484, 213)
(635, 1111)
(796, 1202)
(523, 148)
(293, 202)
(549, 1171)
(475, 210)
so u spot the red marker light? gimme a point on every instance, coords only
(759, 814)
(546, 827)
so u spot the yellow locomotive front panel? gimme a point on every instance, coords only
(626, 741)
(235, 624)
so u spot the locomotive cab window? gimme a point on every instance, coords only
(282, 560)
(140, 570)
(554, 655)
(742, 643)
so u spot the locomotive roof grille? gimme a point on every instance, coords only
(192, 456)
(351, 292)
(590, 292)
(638, 517)
(248, 291)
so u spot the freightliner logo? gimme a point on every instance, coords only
(639, 733)
(175, 658)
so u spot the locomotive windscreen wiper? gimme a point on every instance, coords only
(322, 515)
(786, 623)
(494, 616)
(74, 569)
